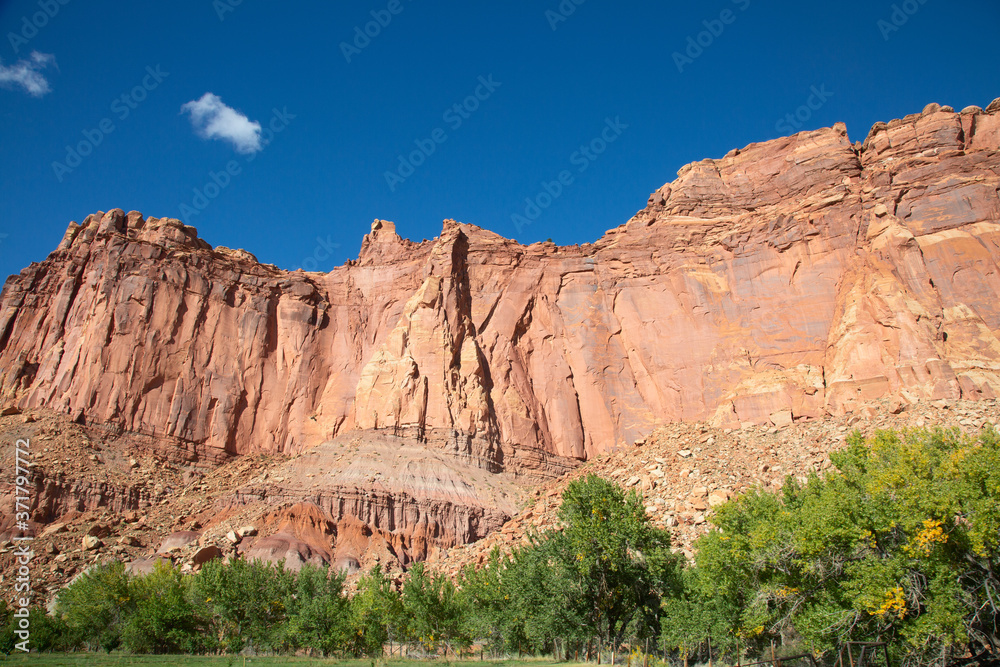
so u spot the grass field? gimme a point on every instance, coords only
(89, 659)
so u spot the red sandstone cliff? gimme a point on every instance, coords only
(788, 279)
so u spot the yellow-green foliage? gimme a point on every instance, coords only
(900, 543)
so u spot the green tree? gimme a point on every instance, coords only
(318, 610)
(48, 633)
(604, 574)
(900, 543)
(548, 595)
(496, 612)
(375, 611)
(164, 620)
(245, 602)
(432, 610)
(695, 619)
(620, 566)
(96, 606)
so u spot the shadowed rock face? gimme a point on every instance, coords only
(789, 279)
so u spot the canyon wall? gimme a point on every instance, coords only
(793, 278)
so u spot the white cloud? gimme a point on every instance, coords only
(212, 119)
(27, 74)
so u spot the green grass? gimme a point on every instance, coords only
(87, 659)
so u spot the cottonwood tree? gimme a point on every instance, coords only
(899, 544)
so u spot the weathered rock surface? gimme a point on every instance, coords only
(789, 279)
(685, 471)
(795, 279)
(177, 540)
(362, 498)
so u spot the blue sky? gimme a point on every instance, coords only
(555, 81)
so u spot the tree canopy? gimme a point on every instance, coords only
(900, 545)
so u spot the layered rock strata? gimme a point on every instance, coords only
(793, 278)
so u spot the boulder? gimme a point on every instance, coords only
(98, 530)
(718, 497)
(177, 540)
(284, 548)
(206, 554)
(782, 418)
(145, 565)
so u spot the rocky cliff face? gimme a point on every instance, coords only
(789, 279)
